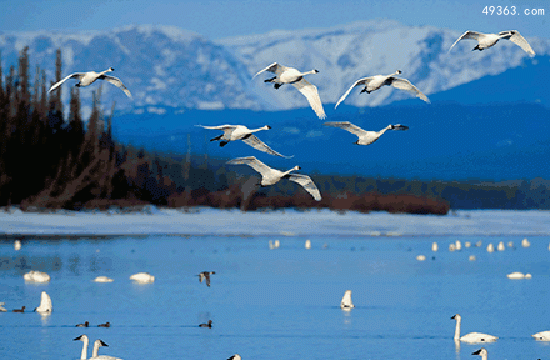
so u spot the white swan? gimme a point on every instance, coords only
(235, 357)
(143, 277)
(45, 303)
(86, 341)
(473, 336)
(377, 81)
(206, 275)
(481, 352)
(272, 176)
(88, 77)
(518, 275)
(346, 303)
(36, 276)
(543, 335)
(103, 279)
(241, 132)
(365, 137)
(485, 41)
(289, 75)
(97, 344)
(2, 308)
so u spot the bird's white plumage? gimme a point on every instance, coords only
(87, 78)
(272, 176)
(362, 81)
(258, 144)
(346, 301)
(365, 137)
(312, 95)
(404, 84)
(487, 40)
(542, 335)
(116, 82)
(45, 303)
(95, 356)
(474, 35)
(473, 337)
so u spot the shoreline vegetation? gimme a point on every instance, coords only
(52, 161)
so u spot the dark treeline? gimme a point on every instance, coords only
(47, 162)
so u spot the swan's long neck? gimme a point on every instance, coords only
(260, 129)
(293, 169)
(84, 352)
(96, 348)
(310, 72)
(484, 356)
(457, 331)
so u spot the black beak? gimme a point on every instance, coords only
(476, 352)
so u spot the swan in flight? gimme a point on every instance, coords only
(45, 303)
(272, 176)
(97, 344)
(346, 303)
(88, 77)
(241, 132)
(481, 352)
(485, 41)
(206, 275)
(288, 75)
(365, 137)
(543, 335)
(377, 81)
(471, 337)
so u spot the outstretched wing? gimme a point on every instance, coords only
(310, 92)
(307, 184)
(363, 81)
(72, 76)
(219, 127)
(346, 125)
(258, 144)
(116, 82)
(252, 162)
(468, 35)
(516, 38)
(273, 68)
(404, 84)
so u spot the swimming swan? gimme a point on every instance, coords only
(272, 176)
(206, 275)
(86, 341)
(88, 77)
(365, 137)
(485, 41)
(142, 277)
(543, 335)
(103, 279)
(481, 352)
(45, 303)
(2, 308)
(377, 81)
(235, 357)
(473, 336)
(36, 276)
(241, 132)
(346, 304)
(289, 75)
(97, 344)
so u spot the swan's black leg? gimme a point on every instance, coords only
(277, 86)
(223, 143)
(270, 80)
(216, 138)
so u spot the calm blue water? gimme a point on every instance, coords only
(276, 304)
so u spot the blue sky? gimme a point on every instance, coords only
(216, 19)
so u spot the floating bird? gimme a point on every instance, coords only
(107, 324)
(241, 132)
(45, 303)
(19, 310)
(206, 275)
(272, 176)
(142, 277)
(365, 137)
(346, 303)
(2, 309)
(377, 81)
(235, 357)
(36, 276)
(86, 324)
(103, 279)
(473, 336)
(87, 78)
(86, 341)
(208, 324)
(485, 41)
(97, 344)
(289, 75)
(543, 335)
(481, 352)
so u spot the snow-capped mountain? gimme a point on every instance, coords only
(167, 66)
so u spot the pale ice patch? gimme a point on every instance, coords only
(210, 105)
(156, 110)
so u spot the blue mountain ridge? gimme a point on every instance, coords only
(494, 128)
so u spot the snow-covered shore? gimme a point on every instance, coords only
(206, 221)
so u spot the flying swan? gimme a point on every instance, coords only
(365, 137)
(241, 132)
(471, 337)
(485, 41)
(288, 75)
(206, 275)
(272, 176)
(88, 77)
(377, 81)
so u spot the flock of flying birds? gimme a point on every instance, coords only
(287, 75)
